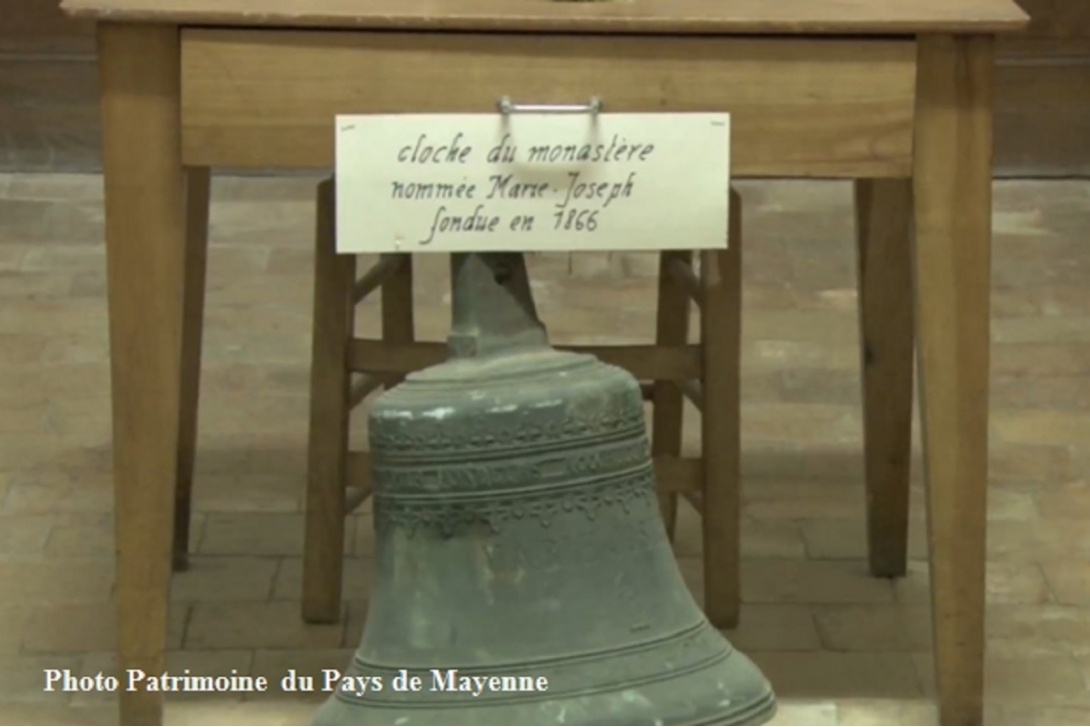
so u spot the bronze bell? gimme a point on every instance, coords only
(523, 573)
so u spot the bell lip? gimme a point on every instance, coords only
(732, 690)
(759, 711)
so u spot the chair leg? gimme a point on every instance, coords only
(720, 335)
(398, 324)
(671, 329)
(323, 550)
(886, 331)
(197, 193)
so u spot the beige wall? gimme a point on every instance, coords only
(1043, 92)
(49, 121)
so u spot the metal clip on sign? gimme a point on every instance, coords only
(508, 107)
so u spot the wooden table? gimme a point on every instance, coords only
(881, 90)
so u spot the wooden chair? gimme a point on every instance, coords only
(670, 369)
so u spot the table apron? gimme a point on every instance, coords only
(800, 107)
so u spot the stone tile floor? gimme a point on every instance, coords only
(841, 647)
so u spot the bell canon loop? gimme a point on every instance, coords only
(523, 575)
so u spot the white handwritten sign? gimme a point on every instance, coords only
(532, 182)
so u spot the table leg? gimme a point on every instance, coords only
(952, 190)
(146, 264)
(883, 211)
(197, 190)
